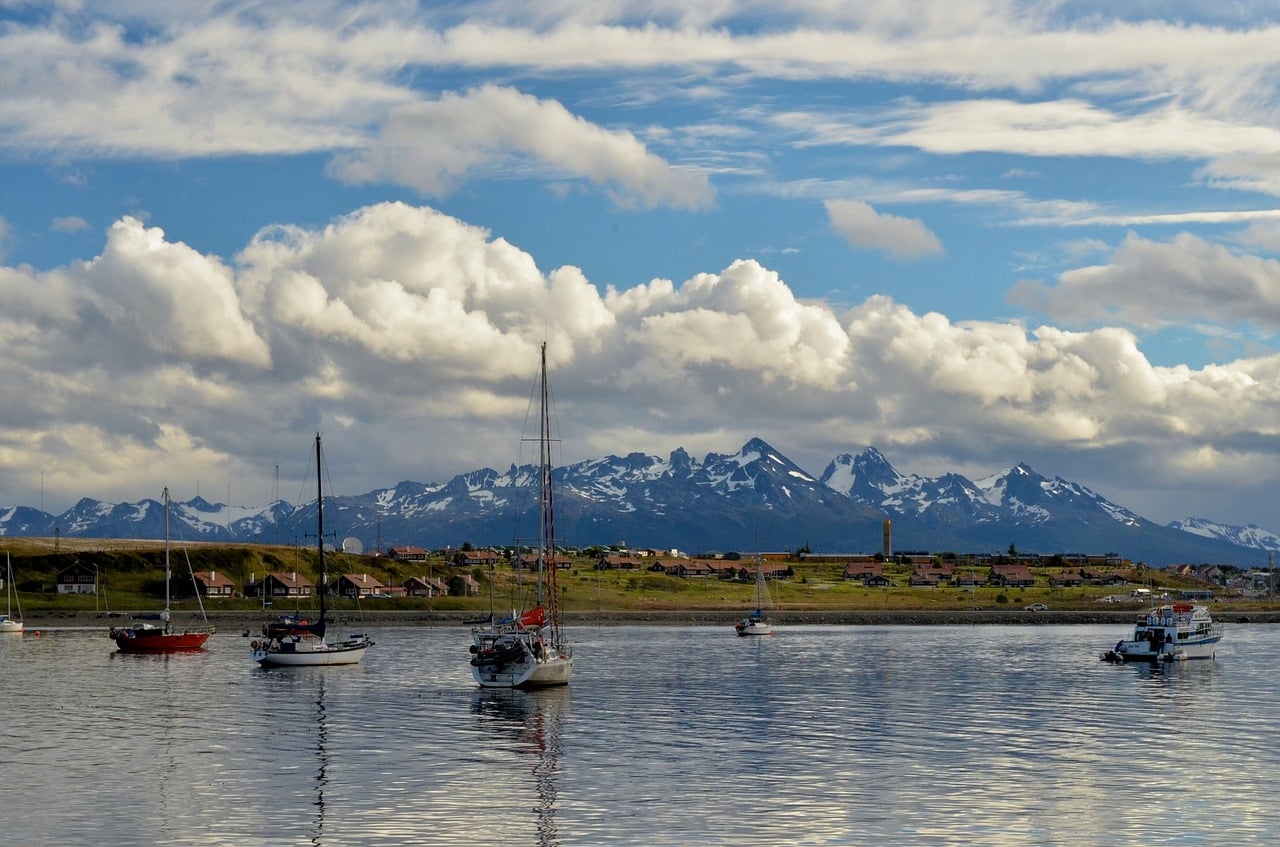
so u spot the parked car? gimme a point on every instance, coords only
(1036, 607)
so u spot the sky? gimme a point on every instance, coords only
(969, 234)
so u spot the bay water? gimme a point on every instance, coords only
(689, 735)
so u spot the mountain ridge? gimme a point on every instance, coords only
(723, 502)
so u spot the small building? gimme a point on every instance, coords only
(529, 561)
(406, 553)
(924, 578)
(863, 570)
(278, 585)
(424, 586)
(772, 570)
(968, 579)
(463, 584)
(476, 558)
(1011, 576)
(723, 569)
(1066, 579)
(694, 569)
(78, 578)
(617, 563)
(356, 585)
(214, 585)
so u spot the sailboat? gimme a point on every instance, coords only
(147, 637)
(309, 647)
(756, 623)
(528, 650)
(8, 623)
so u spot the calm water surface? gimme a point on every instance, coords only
(986, 735)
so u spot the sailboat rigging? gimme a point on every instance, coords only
(309, 647)
(8, 623)
(528, 649)
(146, 637)
(756, 623)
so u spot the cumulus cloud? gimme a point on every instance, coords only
(1150, 284)
(432, 145)
(412, 337)
(862, 226)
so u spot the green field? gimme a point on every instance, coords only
(130, 577)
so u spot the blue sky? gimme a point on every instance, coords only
(970, 234)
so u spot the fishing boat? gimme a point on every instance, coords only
(8, 623)
(308, 647)
(528, 649)
(1169, 633)
(143, 635)
(756, 623)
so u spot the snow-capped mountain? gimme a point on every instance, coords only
(723, 502)
(1251, 536)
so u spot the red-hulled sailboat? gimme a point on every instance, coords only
(143, 636)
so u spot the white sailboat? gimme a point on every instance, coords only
(528, 649)
(8, 623)
(757, 623)
(309, 647)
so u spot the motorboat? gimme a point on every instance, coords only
(1169, 633)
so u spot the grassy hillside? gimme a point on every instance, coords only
(131, 578)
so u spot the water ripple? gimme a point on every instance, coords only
(879, 736)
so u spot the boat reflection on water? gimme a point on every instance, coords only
(535, 719)
(322, 758)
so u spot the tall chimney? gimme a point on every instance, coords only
(888, 538)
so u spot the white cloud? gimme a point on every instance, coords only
(862, 226)
(432, 145)
(1259, 172)
(1069, 127)
(1262, 234)
(1150, 284)
(412, 338)
(70, 223)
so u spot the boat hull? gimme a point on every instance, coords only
(525, 673)
(11, 626)
(295, 651)
(171, 642)
(1141, 651)
(753, 625)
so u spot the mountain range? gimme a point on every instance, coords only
(755, 498)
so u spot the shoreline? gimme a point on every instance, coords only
(252, 620)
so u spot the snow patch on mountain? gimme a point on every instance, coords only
(1251, 535)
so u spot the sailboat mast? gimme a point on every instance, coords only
(547, 555)
(168, 573)
(324, 578)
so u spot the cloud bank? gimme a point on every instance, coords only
(410, 337)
